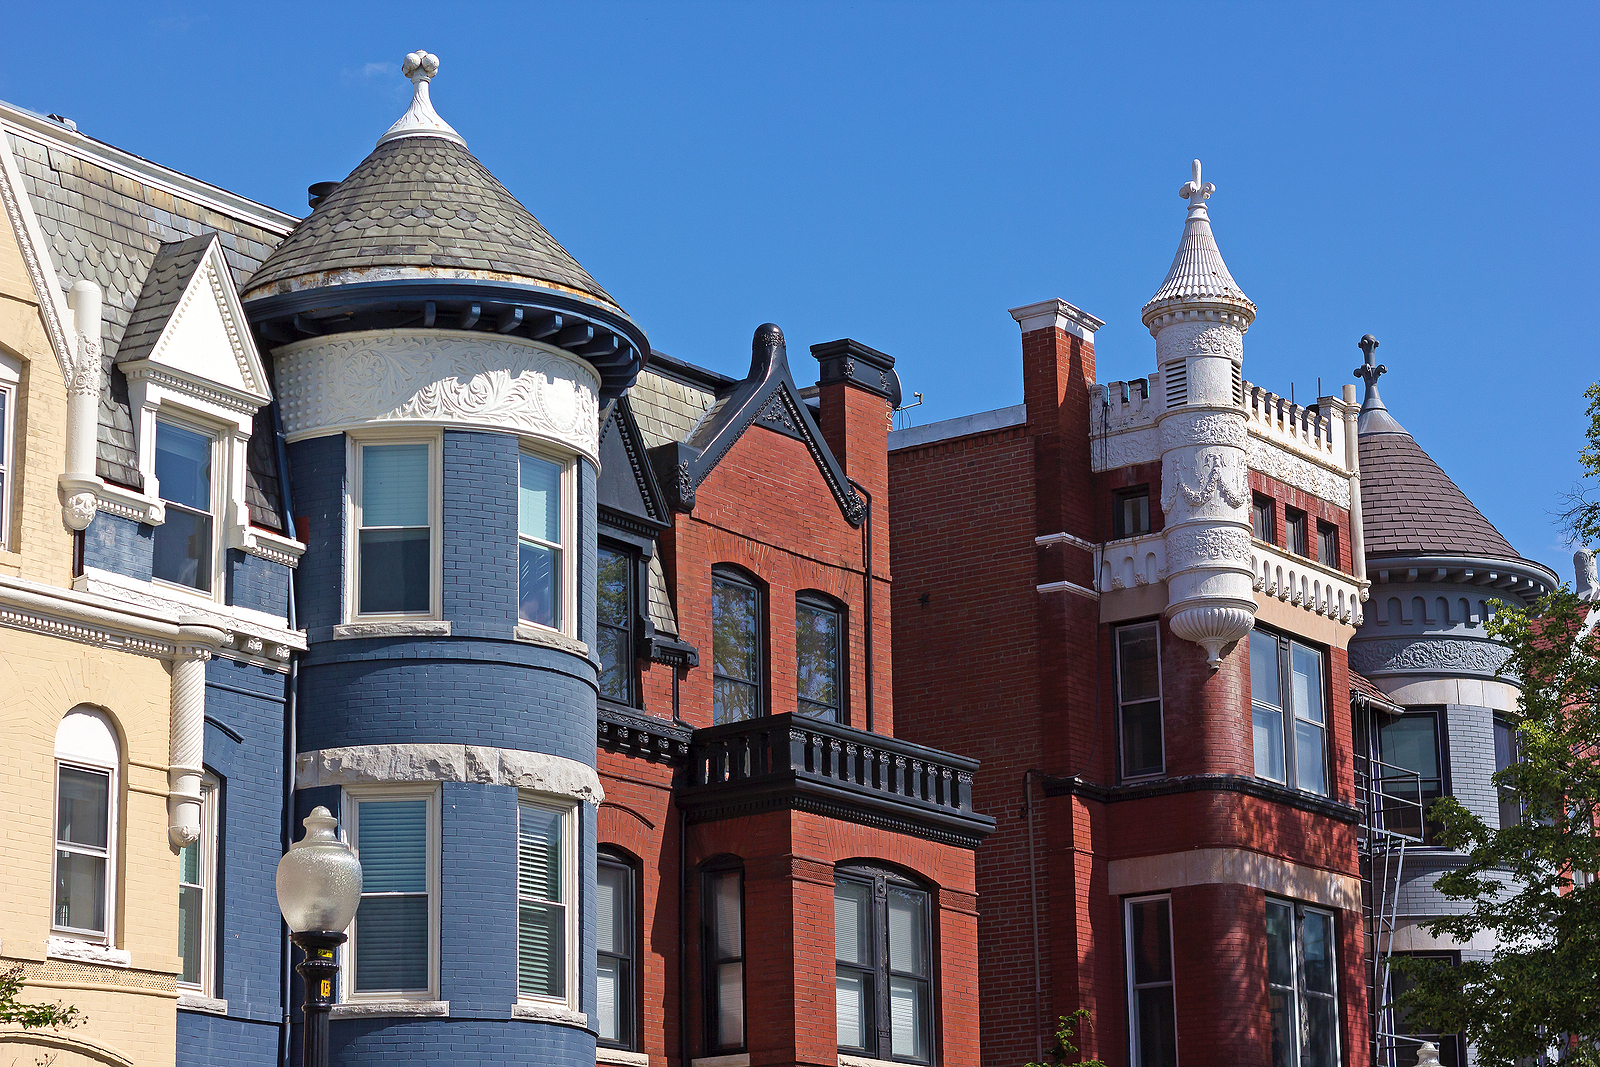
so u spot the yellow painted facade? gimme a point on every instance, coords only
(131, 1015)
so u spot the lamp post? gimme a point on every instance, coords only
(319, 889)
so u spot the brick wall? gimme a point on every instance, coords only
(318, 467)
(256, 583)
(121, 546)
(479, 533)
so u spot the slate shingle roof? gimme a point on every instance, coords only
(667, 410)
(1409, 506)
(169, 276)
(422, 202)
(107, 227)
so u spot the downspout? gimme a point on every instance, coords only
(291, 742)
(1352, 462)
(1033, 893)
(683, 908)
(866, 595)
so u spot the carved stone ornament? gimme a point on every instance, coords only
(1125, 449)
(1207, 543)
(1215, 475)
(354, 380)
(1213, 627)
(1428, 655)
(1277, 462)
(79, 510)
(1184, 339)
(86, 368)
(1204, 428)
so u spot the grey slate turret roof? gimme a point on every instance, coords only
(421, 203)
(1410, 507)
(109, 227)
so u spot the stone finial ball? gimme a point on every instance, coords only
(426, 62)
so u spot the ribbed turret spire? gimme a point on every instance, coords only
(1198, 274)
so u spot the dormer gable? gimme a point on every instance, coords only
(628, 495)
(188, 332)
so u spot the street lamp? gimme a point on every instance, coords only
(319, 889)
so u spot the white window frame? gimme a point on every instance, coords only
(11, 389)
(352, 509)
(1127, 962)
(207, 840)
(354, 797)
(108, 936)
(568, 810)
(569, 539)
(221, 478)
(1297, 911)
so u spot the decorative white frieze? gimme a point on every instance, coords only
(1428, 655)
(1322, 479)
(439, 378)
(1132, 562)
(1318, 589)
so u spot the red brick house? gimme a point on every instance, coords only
(782, 880)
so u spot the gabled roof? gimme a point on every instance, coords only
(627, 493)
(767, 395)
(104, 215)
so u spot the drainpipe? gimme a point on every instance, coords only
(683, 909)
(1352, 462)
(83, 407)
(291, 742)
(1033, 893)
(866, 595)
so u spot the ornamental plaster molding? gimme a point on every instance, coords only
(1204, 428)
(1430, 655)
(111, 499)
(438, 377)
(1277, 462)
(1208, 544)
(1182, 340)
(480, 764)
(1142, 445)
(273, 642)
(1198, 480)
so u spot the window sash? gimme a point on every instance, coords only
(1140, 723)
(184, 547)
(1425, 759)
(884, 967)
(722, 941)
(1295, 521)
(1328, 544)
(197, 863)
(1301, 1013)
(394, 543)
(546, 942)
(83, 872)
(393, 952)
(1152, 1004)
(614, 951)
(543, 530)
(736, 667)
(614, 615)
(1289, 712)
(1506, 752)
(818, 682)
(1263, 519)
(7, 405)
(1131, 517)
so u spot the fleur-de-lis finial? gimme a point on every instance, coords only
(1193, 191)
(1370, 370)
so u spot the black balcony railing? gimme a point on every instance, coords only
(799, 763)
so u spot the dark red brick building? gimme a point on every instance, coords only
(782, 880)
(1132, 603)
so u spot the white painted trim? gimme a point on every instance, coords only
(1068, 587)
(272, 547)
(1059, 314)
(367, 1009)
(568, 577)
(405, 435)
(964, 426)
(35, 252)
(1128, 972)
(534, 1011)
(351, 630)
(364, 765)
(1233, 866)
(224, 460)
(45, 131)
(251, 636)
(202, 990)
(565, 1008)
(354, 796)
(116, 500)
(1063, 538)
(72, 948)
(846, 1060)
(8, 460)
(196, 1002)
(616, 1057)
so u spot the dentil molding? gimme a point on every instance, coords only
(440, 378)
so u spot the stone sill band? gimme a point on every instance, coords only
(616, 1057)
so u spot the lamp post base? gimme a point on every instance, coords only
(318, 969)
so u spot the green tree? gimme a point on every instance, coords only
(1582, 516)
(31, 1016)
(1530, 885)
(1064, 1053)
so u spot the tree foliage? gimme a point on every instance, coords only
(1582, 514)
(31, 1016)
(1529, 885)
(1064, 1053)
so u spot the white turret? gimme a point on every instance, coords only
(1198, 318)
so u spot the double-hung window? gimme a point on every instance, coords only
(1302, 989)
(1289, 714)
(1327, 544)
(394, 943)
(184, 545)
(1403, 1053)
(546, 891)
(615, 954)
(817, 637)
(543, 587)
(1130, 514)
(395, 510)
(614, 579)
(1411, 742)
(10, 378)
(87, 759)
(1152, 1006)
(1263, 518)
(1507, 752)
(722, 936)
(1295, 522)
(1139, 699)
(736, 633)
(197, 876)
(883, 952)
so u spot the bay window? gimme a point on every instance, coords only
(394, 518)
(1152, 1007)
(1411, 742)
(546, 897)
(185, 544)
(883, 952)
(615, 953)
(614, 613)
(722, 939)
(87, 761)
(1302, 985)
(817, 636)
(394, 942)
(1138, 652)
(543, 586)
(197, 865)
(736, 633)
(1289, 713)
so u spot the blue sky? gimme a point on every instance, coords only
(904, 173)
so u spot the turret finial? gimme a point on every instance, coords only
(420, 119)
(1375, 417)
(1193, 191)
(1369, 371)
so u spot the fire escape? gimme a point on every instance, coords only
(1391, 820)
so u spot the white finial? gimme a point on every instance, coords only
(420, 120)
(1193, 191)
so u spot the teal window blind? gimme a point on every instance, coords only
(391, 942)
(539, 549)
(541, 906)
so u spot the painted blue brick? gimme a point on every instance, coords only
(255, 583)
(479, 533)
(478, 909)
(121, 546)
(317, 468)
(383, 1042)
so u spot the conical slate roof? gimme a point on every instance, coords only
(1410, 507)
(1198, 272)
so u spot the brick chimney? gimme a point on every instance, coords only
(857, 390)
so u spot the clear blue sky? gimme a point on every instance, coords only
(904, 173)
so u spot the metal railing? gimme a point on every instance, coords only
(1394, 816)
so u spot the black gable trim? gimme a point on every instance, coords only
(632, 495)
(767, 395)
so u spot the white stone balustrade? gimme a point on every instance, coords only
(1309, 431)
(1318, 589)
(1131, 561)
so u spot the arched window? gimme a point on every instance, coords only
(738, 617)
(722, 942)
(616, 950)
(87, 760)
(884, 952)
(819, 656)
